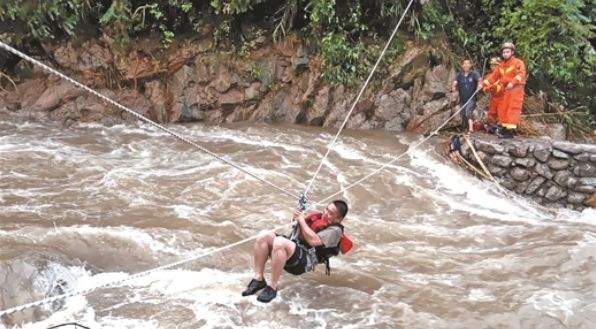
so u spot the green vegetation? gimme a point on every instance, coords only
(554, 37)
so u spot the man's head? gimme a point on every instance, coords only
(336, 211)
(507, 50)
(494, 62)
(466, 65)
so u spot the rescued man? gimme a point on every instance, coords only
(318, 238)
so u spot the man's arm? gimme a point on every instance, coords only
(454, 86)
(307, 233)
(520, 77)
(478, 80)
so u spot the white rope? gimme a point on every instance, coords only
(343, 125)
(204, 254)
(135, 276)
(410, 149)
(237, 243)
(143, 118)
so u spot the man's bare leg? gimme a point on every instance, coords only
(261, 249)
(282, 250)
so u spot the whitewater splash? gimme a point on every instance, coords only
(434, 246)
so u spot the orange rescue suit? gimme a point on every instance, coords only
(512, 71)
(493, 85)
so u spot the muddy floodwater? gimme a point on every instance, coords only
(435, 247)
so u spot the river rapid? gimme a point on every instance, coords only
(435, 247)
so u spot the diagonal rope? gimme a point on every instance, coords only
(370, 75)
(219, 249)
(145, 119)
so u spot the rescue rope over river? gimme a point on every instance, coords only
(229, 162)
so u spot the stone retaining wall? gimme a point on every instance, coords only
(553, 173)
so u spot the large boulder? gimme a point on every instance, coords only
(30, 91)
(285, 109)
(224, 80)
(9, 100)
(253, 91)
(93, 110)
(202, 70)
(136, 65)
(90, 59)
(56, 95)
(264, 109)
(427, 123)
(154, 91)
(315, 114)
(436, 85)
(430, 116)
(339, 107)
(232, 97)
(389, 106)
(409, 66)
(182, 91)
(135, 101)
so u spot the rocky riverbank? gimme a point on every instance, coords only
(279, 82)
(553, 173)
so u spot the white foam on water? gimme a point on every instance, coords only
(217, 134)
(480, 295)
(157, 242)
(124, 233)
(479, 199)
(37, 209)
(348, 152)
(586, 216)
(557, 304)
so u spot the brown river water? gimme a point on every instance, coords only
(435, 247)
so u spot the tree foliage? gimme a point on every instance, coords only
(554, 37)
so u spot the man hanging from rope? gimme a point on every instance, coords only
(316, 237)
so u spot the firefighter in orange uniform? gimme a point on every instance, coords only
(491, 84)
(512, 75)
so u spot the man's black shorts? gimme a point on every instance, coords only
(296, 264)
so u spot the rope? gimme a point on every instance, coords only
(471, 166)
(343, 125)
(237, 243)
(145, 119)
(382, 167)
(129, 278)
(184, 139)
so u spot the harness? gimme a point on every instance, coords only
(321, 254)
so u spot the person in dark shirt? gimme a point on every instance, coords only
(466, 83)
